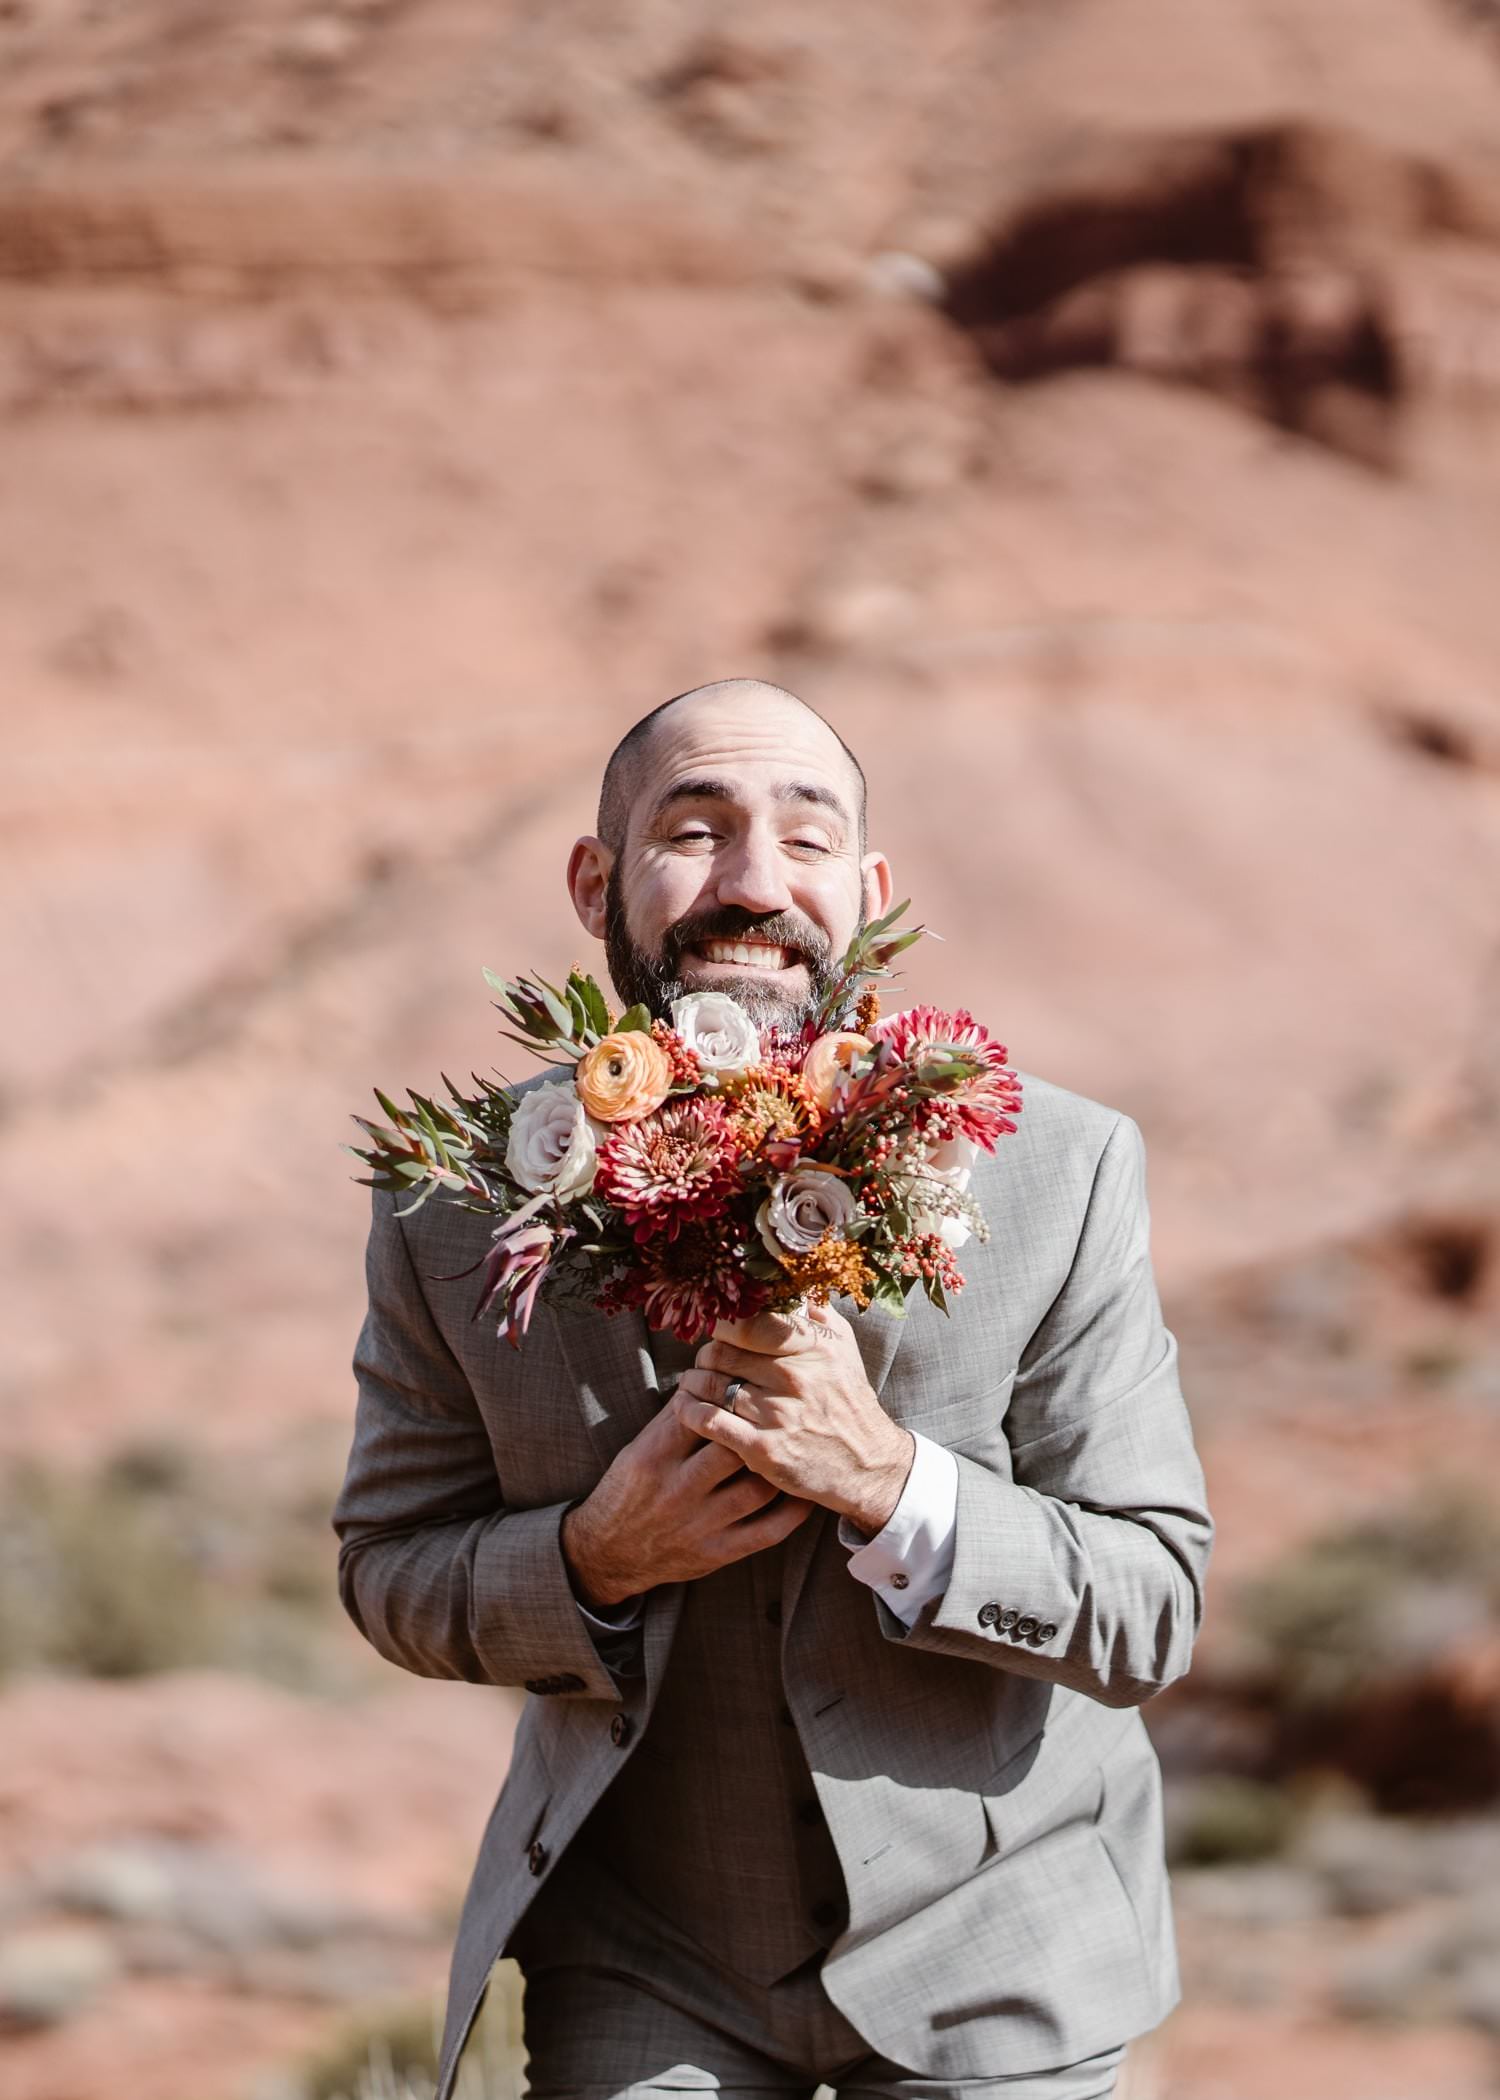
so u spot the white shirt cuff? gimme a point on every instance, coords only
(613, 1618)
(909, 1562)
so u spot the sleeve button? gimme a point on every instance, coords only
(1008, 1619)
(1048, 1632)
(989, 1614)
(1027, 1626)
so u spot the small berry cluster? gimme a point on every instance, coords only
(926, 1254)
(687, 1066)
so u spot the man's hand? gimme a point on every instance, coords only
(671, 1508)
(808, 1419)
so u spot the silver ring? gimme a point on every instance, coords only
(732, 1392)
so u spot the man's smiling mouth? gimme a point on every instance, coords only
(745, 954)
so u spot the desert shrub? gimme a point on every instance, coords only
(1226, 1819)
(391, 2051)
(1355, 1648)
(153, 1560)
(1366, 1603)
(95, 1578)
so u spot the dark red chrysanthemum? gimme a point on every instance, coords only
(980, 1108)
(688, 1282)
(671, 1168)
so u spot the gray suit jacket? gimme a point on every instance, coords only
(986, 1776)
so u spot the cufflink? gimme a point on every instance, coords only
(899, 1581)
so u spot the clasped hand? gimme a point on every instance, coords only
(806, 1418)
(699, 1487)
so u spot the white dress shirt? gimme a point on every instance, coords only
(907, 1562)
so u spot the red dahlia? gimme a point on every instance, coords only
(671, 1168)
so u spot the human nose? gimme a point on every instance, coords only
(750, 874)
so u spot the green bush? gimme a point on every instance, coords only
(1336, 1618)
(391, 2052)
(155, 1560)
(95, 1578)
(1225, 1820)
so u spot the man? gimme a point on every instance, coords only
(834, 1767)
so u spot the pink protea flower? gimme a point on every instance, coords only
(521, 1252)
(671, 1168)
(979, 1108)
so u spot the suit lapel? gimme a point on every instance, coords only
(608, 1358)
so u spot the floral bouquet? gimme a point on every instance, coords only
(708, 1170)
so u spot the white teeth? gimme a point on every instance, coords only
(745, 952)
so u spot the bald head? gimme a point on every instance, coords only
(629, 763)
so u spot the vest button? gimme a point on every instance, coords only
(809, 1812)
(536, 1858)
(826, 1915)
(988, 1614)
(619, 1730)
(773, 1612)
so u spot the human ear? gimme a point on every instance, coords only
(589, 864)
(879, 887)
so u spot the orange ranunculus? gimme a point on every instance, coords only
(623, 1077)
(830, 1055)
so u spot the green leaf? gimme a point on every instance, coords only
(890, 1292)
(540, 1048)
(635, 1020)
(888, 950)
(556, 1008)
(419, 1201)
(397, 1115)
(879, 925)
(594, 1004)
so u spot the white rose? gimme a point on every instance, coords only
(952, 1162)
(801, 1207)
(552, 1143)
(718, 1028)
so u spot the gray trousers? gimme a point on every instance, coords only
(620, 2007)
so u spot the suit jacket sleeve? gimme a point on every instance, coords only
(438, 1575)
(1088, 1566)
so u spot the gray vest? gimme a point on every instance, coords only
(721, 1757)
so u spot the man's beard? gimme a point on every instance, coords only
(655, 981)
